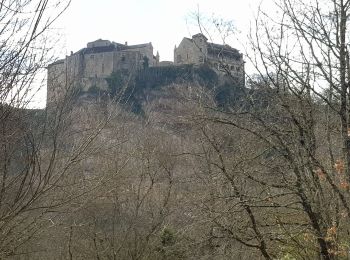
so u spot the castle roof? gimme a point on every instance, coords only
(111, 48)
(136, 46)
(99, 49)
(200, 35)
(56, 62)
(223, 50)
(218, 50)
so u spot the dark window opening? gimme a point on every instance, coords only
(179, 59)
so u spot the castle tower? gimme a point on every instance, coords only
(157, 58)
(200, 42)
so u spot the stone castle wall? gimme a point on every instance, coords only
(92, 65)
(186, 53)
(98, 64)
(56, 81)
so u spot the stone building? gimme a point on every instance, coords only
(90, 66)
(198, 50)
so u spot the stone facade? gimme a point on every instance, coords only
(198, 50)
(91, 65)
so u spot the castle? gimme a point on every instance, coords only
(220, 57)
(91, 66)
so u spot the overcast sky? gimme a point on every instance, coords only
(162, 22)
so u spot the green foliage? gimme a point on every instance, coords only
(288, 257)
(155, 77)
(168, 237)
(94, 90)
(169, 250)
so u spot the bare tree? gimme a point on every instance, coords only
(289, 174)
(35, 154)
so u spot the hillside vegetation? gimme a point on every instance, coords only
(176, 162)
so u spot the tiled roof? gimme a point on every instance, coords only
(128, 47)
(100, 49)
(199, 35)
(223, 50)
(56, 62)
(219, 49)
(112, 47)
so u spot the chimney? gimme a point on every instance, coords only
(126, 43)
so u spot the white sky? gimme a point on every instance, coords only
(162, 22)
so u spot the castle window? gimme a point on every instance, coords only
(179, 59)
(103, 68)
(200, 49)
(238, 69)
(187, 56)
(232, 67)
(123, 58)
